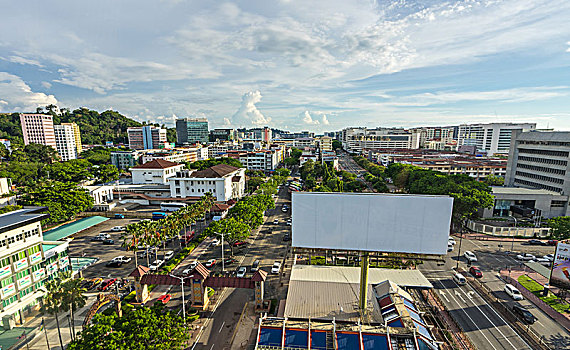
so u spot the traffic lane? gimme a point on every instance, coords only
(505, 246)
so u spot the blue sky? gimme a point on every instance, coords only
(297, 65)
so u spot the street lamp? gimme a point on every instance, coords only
(222, 244)
(183, 303)
(516, 231)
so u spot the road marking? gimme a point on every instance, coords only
(459, 296)
(212, 346)
(444, 296)
(220, 331)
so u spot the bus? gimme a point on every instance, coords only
(158, 215)
(172, 206)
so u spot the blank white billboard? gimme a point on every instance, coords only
(371, 222)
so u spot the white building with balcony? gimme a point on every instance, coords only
(156, 172)
(224, 181)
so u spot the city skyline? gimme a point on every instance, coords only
(293, 65)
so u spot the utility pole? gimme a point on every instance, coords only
(183, 303)
(516, 231)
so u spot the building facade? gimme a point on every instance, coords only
(223, 181)
(493, 138)
(192, 130)
(77, 136)
(540, 160)
(124, 159)
(155, 172)
(38, 128)
(223, 135)
(355, 140)
(65, 142)
(146, 137)
(263, 160)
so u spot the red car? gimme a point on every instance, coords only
(165, 298)
(552, 242)
(106, 284)
(475, 272)
(211, 263)
(239, 243)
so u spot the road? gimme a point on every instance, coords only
(348, 164)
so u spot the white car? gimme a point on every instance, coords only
(215, 242)
(123, 259)
(241, 272)
(526, 257)
(451, 241)
(513, 292)
(276, 267)
(276, 222)
(117, 229)
(190, 268)
(168, 255)
(543, 261)
(549, 257)
(156, 265)
(470, 256)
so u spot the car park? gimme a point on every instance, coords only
(241, 271)
(164, 298)
(276, 267)
(239, 243)
(523, 314)
(117, 229)
(101, 237)
(449, 247)
(215, 243)
(284, 209)
(551, 242)
(533, 242)
(230, 261)
(287, 237)
(255, 265)
(526, 257)
(210, 263)
(451, 241)
(168, 255)
(459, 279)
(543, 261)
(156, 265)
(475, 271)
(123, 259)
(108, 241)
(106, 284)
(470, 256)
(513, 292)
(276, 222)
(549, 257)
(114, 263)
(119, 216)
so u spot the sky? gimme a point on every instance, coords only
(293, 65)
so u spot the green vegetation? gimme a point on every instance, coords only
(9, 208)
(294, 158)
(204, 164)
(375, 176)
(323, 178)
(99, 155)
(140, 328)
(560, 227)
(10, 128)
(336, 144)
(536, 288)
(493, 180)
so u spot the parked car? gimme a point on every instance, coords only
(106, 284)
(543, 261)
(123, 259)
(523, 314)
(96, 282)
(119, 216)
(211, 263)
(459, 279)
(239, 243)
(513, 292)
(551, 242)
(452, 241)
(101, 237)
(526, 257)
(190, 268)
(276, 267)
(533, 242)
(117, 229)
(108, 241)
(276, 222)
(168, 255)
(549, 257)
(114, 263)
(475, 271)
(164, 298)
(287, 237)
(255, 265)
(230, 261)
(449, 247)
(215, 243)
(241, 271)
(470, 256)
(284, 209)
(156, 265)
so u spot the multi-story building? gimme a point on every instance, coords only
(38, 128)
(77, 136)
(354, 140)
(225, 182)
(25, 264)
(177, 155)
(65, 142)
(303, 142)
(6, 144)
(262, 160)
(192, 130)
(5, 189)
(435, 137)
(325, 143)
(493, 138)
(220, 148)
(156, 172)
(146, 137)
(540, 160)
(125, 159)
(295, 135)
(223, 135)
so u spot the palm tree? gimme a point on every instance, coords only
(130, 237)
(52, 302)
(73, 297)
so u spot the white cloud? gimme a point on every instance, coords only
(325, 120)
(24, 60)
(307, 119)
(248, 114)
(18, 96)
(46, 84)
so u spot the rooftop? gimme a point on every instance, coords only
(18, 218)
(522, 191)
(562, 136)
(156, 164)
(219, 170)
(67, 230)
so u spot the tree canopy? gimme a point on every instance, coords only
(204, 164)
(560, 227)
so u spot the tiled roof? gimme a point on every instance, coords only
(219, 207)
(139, 271)
(160, 279)
(259, 276)
(231, 282)
(156, 164)
(219, 170)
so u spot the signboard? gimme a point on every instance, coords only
(371, 222)
(24, 281)
(49, 253)
(51, 268)
(63, 262)
(560, 276)
(36, 258)
(21, 264)
(38, 275)
(5, 271)
(8, 290)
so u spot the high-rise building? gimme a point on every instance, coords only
(540, 160)
(65, 142)
(77, 136)
(146, 137)
(222, 135)
(192, 130)
(38, 128)
(358, 139)
(493, 138)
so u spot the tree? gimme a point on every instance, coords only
(40, 153)
(98, 155)
(233, 230)
(141, 328)
(336, 144)
(4, 153)
(72, 295)
(253, 183)
(560, 227)
(22, 173)
(282, 172)
(247, 213)
(204, 164)
(52, 302)
(493, 180)
(64, 200)
(74, 170)
(105, 172)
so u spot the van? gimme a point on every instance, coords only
(459, 279)
(513, 292)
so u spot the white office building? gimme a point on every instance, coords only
(225, 182)
(65, 142)
(155, 172)
(263, 160)
(357, 139)
(493, 138)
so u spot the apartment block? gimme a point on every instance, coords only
(225, 182)
(355, 140)
(146, 137)
(77, 136)
(65, 142)
(38, 128)
(223, 135)
(493, 138)
(125, 159)
(192, 130)
(263, 160)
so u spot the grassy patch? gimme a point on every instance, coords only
(536, 288)
(318, 260)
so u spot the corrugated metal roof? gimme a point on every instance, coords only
(67, 230)
(344, 274)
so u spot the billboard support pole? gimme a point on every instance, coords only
(363, 283)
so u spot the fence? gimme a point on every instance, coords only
(499, 231)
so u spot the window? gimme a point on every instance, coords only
(33, 249)
(9, 301)
(6, 281)
(4, 262)
(22, 274)
(18, 256)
